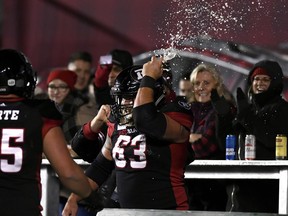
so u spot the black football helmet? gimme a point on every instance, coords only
(126, 86)
(16, 74)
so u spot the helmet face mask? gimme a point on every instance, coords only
(122, 109)
(125, 111)
(16, 74)
(124, 90)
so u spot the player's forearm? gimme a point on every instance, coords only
(100, 119)
(74, 198)
(144, 95)
(96, 124)
(78, 183)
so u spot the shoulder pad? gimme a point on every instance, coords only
(178, 105)
(47, 109)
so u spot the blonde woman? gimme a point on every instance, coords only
(206, 85)
(210, 102)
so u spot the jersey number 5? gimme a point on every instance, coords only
(7, 149)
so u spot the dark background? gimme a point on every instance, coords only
(48, 31)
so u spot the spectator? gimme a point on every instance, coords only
(144, 175)
(207, 84)
(81, 64)
(61, 89)
(23, 140)
(108, 69)
(185, 86)
(263, 113)
(207, 141)
(60, 84)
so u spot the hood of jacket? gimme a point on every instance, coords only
(274, 71)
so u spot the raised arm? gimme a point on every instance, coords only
(88, 141)
(146, 116)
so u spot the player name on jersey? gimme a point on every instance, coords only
(9, 114)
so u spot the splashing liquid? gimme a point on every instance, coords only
(169, 54)
(188, 19)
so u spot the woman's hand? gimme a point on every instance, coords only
(194, 137)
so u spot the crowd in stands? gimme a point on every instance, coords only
(139, 134)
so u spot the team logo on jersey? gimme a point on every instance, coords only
(185, 105)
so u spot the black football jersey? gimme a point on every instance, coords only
(23, 123)
(149, 171)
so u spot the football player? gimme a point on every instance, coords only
(28, 128)
(147, 141)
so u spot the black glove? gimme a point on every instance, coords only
(245, 115)
(242, 101)
(220, 104)
(101, 75)
(94, 202)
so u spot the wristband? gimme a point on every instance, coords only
(147, 82)
(88, 133)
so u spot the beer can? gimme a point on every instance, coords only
(281, 147)
(230, 147)
(250, 147)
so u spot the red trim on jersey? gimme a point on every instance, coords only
(178, 161)
(11, 99)
(50, 123)
(110, 129)
(184, 119)
(88, 133)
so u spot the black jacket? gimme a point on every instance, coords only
(266, 114)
